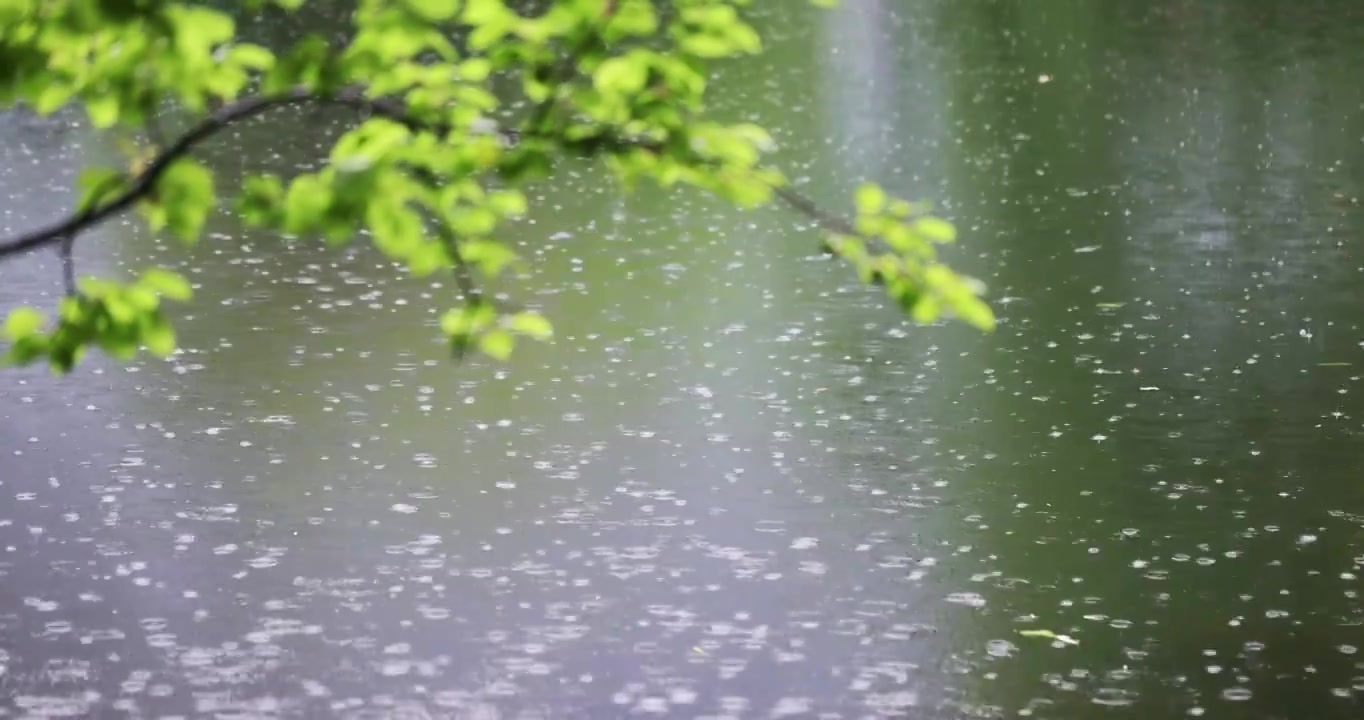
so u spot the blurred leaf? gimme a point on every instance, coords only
(433, 10)
(305, 203)
(623, 75)
(870, 199)
(52, 96)
(497, 344)
(468, 320)
(936, 229)
(97, 185)
(508, 203)
(252, 56)
(185, 193)
(103, 110)
(260, 200)
(23, 322)
(26, 350)
(396, 228)
(427, 258)
(120, 310)
(159, 336)
(976, 313)
(532, 325)
(169, 284)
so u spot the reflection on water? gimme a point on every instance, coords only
(737, 485)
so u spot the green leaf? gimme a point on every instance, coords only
(155, 214)
(621, 75)
(252, 56)
(975, 312)
(455, 322)
(199, 28)
(705, 46)
(185, 191)
(103, 110)
(97, 185)
(475, 221)
(158, 336)
(428, 258)
(755, 135)
(489, 256)
(897, 235)
(532, 325)
(72, 310)
(141, 299)
(396, 228)
(870, 199)
(120, 347)
(508, 203)
(308, 64)
(936, 229)
(307, 200)
(497, 344)
(468, 320)
(65, 357)
(927, 310)
(433, 10)
(170, 285)
(23, 322)
(745, 193)
(96, 288)
(633, 17)
(475, 69)
(52, 97)
(120, 310)
(260, 200)
(25, 350)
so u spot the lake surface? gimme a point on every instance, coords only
(739, 485)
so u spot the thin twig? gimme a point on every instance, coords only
(808, 208)
(468, 288)
(67, 252)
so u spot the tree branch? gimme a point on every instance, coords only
(807, 207)
(65, 231)
(68, 255)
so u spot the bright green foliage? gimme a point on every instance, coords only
(181, 201)
(119, 57)
(428, 178)
(893, 246)
(118, 318)
(477, 324)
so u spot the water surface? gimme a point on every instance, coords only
(738, 484)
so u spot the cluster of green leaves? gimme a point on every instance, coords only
(893, 246)
(120, 58)
(118, 318)
(495, 333)
(429, 178)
